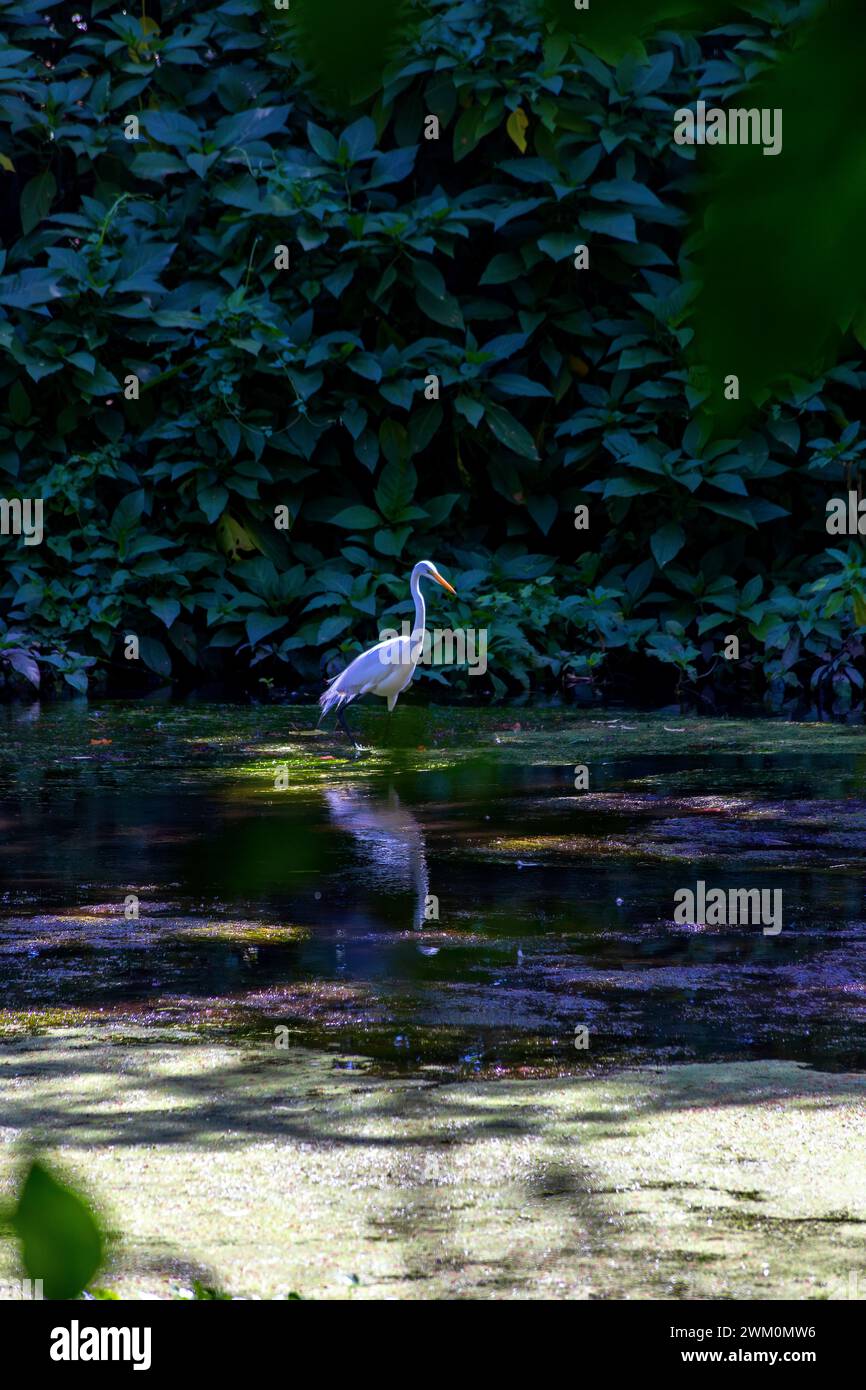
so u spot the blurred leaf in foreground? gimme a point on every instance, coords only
(347, 45)
(781, 258)
(61, 1242)
(612, 28)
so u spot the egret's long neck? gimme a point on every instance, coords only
(420, 609)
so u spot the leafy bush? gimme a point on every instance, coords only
(304, 393)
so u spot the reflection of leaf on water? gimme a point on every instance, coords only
(61, 1242)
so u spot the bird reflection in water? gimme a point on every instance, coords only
(392, 842)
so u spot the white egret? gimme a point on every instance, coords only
(387, 668)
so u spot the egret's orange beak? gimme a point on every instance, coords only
(444, 582)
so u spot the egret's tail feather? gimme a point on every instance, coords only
(333, 698)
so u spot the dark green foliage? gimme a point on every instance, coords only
(304, 388)
(208, 1294)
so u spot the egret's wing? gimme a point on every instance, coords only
(368, 671)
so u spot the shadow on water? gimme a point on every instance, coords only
(455, 903)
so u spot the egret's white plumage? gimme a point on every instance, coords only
(387, 668)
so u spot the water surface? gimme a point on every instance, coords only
(448, 901)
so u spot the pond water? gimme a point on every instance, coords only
(446, 902)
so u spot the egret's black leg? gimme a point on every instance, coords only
(341, 720)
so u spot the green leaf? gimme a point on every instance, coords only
(467, 132)
(212, 501)
(423, 425)
(128, 512)
(558, 245)
(172, 128)
(155, 656)
(513, 384)
(167, 609)
(323, 142)
(620, 225)
(29, 288)
(331, 627)
(61, 1242)
(261, 625)
(667, 542)
(36, 199)
(395, 490)
(229, 432)
(510, 432)
(249, 125)
(472, 410)
(440, 306)
(346, 47)
(22, 662)
(394, 441)
(797, 218)
(543, 511)
(438, 509)
(392, 167)
(358, 140)
(751, 591)
(626, 487)
(613, 28)
(356, 518)
(392, 542)
(505, 268)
